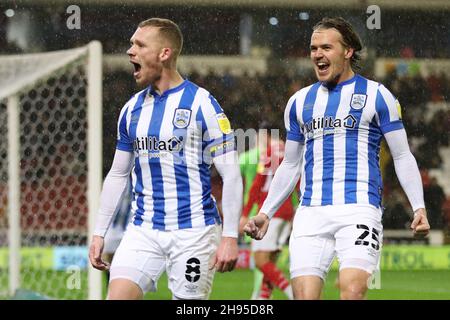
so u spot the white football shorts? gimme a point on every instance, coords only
(186, 254)
(352, 232)
(275, 237)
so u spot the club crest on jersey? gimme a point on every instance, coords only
(358, 101)
(181, 118)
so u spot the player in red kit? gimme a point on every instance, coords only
(266, 251)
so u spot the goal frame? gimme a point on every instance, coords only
(94, 163)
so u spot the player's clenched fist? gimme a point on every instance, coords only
(420, 225)
(257, 226)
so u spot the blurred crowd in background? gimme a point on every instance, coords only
(218, 30)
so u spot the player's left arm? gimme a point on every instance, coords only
(232, 193)
(389, 117)
(221, 147)
(409, 176)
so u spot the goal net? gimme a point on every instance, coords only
(50, 172)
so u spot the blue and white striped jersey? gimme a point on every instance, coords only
(342, 129)
(174, 137)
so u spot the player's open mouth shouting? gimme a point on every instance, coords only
(322, 67)
(137, 68)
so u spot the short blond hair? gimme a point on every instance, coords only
(169, 30)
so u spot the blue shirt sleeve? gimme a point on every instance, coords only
(124, 142)
(291, 122)
(388, 110)
(218, 135)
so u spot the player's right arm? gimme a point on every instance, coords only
(114, 186)
(283, 183)
(285, 177)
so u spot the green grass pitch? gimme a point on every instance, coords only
(395, 285)
(238, 285)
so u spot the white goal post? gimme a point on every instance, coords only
(50, 172)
